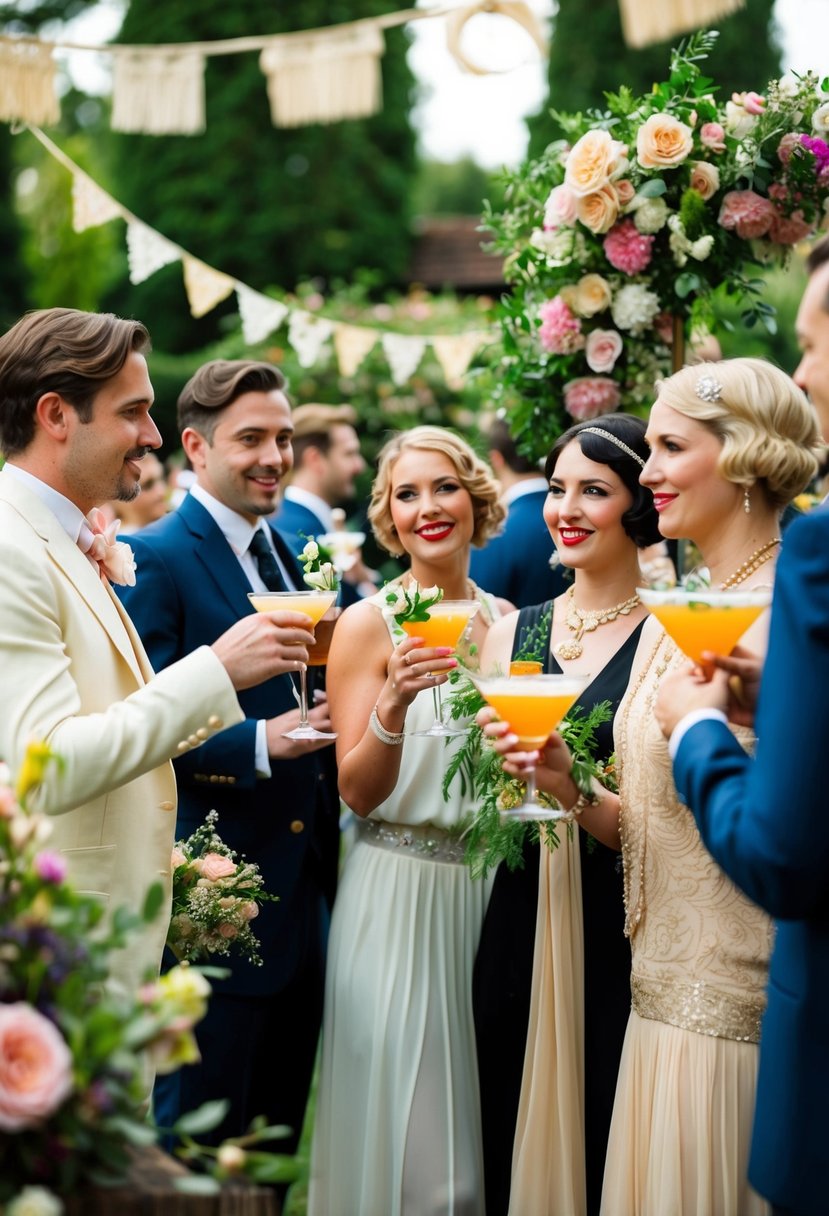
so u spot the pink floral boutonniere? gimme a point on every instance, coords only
(114, 558)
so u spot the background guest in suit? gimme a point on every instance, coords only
(276, 797)
(148, 506)
(515, 564)
(764, 819)
(75, 421)
(327, 461)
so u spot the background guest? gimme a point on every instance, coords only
(151, 504)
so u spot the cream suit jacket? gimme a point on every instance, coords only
(73, 672)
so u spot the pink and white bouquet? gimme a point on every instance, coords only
(616, 238)
(215, 897)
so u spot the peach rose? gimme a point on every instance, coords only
(591, 161)
(228, 931)
(177, 859)
(35, 1067)
(600, 210)
(603, 349)
(249, 910)
(705, 178)
(663, 142)
(592, 295)
(625, 191)
(214, 866)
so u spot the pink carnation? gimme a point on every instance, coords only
(627, 249)
(35, 1067)
(789, 229)
(712, 136)
(747, 213)
(560, 332)
(591, 396)
(214, 866)
(786, 146)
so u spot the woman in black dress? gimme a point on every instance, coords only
(600, 518)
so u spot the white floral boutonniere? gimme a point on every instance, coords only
(319, 573)
(411, 603)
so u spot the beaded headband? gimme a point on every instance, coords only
(709, 389)
(597, 430)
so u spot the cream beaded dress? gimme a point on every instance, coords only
(682, 1117)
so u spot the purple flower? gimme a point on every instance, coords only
(50, 866)
(818, 148)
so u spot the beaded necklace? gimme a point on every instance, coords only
(758, 558)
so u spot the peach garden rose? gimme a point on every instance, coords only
(35, 1067)
(600, 210)
(662, 142)
(591, 162)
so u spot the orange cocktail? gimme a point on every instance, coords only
(705, 620)
(533, 705)
(445, 627)
(313, 604)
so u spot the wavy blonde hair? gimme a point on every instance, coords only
(472, 472)
(767, 428)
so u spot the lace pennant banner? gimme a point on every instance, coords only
(454, 353)
(261, 315)
(307, 335)
(205, 286)
(148, 251)
(91, 206)
(403, 354)
(352, 343)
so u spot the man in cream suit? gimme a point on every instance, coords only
(75, 402)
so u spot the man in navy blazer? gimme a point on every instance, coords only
(515, 565)
(765, 819)
(276, 797)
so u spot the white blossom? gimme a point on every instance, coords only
(634, 307)
(650, 215)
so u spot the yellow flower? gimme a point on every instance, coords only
(185, 991)
(32, 769)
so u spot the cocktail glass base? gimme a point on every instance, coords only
(308, 732)
(438, 730)
(531, 812)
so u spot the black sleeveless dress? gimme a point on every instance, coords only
(502, 979)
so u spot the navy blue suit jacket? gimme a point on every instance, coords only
(295, 522)
(766, 823)
(515, 565)
(191, 588)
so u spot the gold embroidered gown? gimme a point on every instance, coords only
(682, 1117)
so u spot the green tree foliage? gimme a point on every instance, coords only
(266, 205)
(590, 57)
(454, 188)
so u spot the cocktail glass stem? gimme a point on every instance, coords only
(304, 724)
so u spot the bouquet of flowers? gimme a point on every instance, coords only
(616, 239)
(73, 1050)
(215, 897)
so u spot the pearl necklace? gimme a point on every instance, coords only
(580, 622)
(758, 558)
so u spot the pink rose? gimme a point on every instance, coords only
(627, 249)
(35, 1067)
(249, 910)
(50, 866)
(705, 178)
(560, 332)
(591, 396)
(753, 103)
(214, 866)
(789, 229)
(560, 208)
(787, 145)
(603, 349)
(712, 136)
(177, 859)
(746, 213)
(664, 326)
(228, 931)
(625, 191)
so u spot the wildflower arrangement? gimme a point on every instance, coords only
(411, 603)
(73, 1050)
(215, 897)
(616, 238)
(319, 571)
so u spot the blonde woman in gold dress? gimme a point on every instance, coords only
(731, 444)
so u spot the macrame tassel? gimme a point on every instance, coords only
(647, 21)
(158, 92)
(27, 83)
(324, 77)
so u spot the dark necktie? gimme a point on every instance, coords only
(266, 562)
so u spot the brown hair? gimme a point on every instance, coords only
(473, 473)
(314, 424)
(218, 384)
(63, 351)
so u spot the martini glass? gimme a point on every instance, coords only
(313, 604)
(533, 706)
(705, 620)
(445, 627)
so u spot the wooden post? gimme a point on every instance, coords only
(678, 347)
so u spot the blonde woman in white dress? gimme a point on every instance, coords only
(398, 1121)
(731, 444)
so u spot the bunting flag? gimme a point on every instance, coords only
(515, 10)
(148, 251)
(158, 92)
(205, 286)
(325, 76)
(261, 315)
(91, 206)
(403, 354)
(27, 83)
(454, 353)
(645, 22)
(351, 344)
(307, 335)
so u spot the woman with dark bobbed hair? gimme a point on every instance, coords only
(600, 519)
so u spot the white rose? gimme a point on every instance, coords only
(34, 1201)
(558, 244)
(311, 551)
(395, 600)
(650, 215)
(431, 593)
(820, 120)
(737, 120)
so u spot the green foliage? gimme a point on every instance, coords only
(453, 188)
(588, 59)
(266, 205)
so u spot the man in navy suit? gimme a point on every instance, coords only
(327, 460)
(276, 797)
(765, 819)
(515, 565)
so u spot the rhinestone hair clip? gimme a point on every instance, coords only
(597, 430)
(709, 389)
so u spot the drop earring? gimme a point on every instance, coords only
(747, 500)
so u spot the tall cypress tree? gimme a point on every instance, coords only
(266, 205)
(584, 64)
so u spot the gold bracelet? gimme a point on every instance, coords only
(389, 737)
(585, 800)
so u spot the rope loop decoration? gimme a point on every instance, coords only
(515, 10)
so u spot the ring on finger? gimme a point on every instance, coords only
(407, 659)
